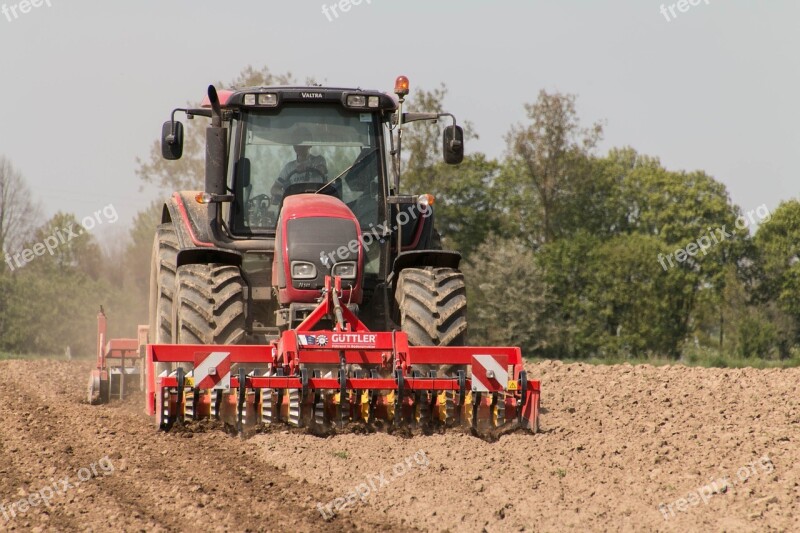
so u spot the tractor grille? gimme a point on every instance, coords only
(322, 242)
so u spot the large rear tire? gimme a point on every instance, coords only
(433, 306)
(210, 307)
(433, 312)
(163, 271)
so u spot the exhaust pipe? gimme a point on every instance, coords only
(216, 147)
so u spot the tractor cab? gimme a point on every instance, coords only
(302, 142)
(308, 142)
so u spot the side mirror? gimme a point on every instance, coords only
(453, 148)
(172, 140)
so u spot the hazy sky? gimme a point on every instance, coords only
(86, 85)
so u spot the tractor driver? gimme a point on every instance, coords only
(307, 168)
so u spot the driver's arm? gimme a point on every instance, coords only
(280, 184)
(320, 164)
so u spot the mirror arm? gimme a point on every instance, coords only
(453, 142)
(413, 117)
(171, 137)
(449, 115)
(190, 114)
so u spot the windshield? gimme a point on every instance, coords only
(300, 149)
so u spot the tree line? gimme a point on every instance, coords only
(568, 253)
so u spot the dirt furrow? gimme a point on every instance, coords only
(158, 482)
(623, 448)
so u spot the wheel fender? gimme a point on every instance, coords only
(192, 221)
(425, 258)
(193, 229)
(207, 256)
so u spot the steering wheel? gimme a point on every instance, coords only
(258, 210)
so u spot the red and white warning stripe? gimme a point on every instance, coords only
(489, 373)
(212, 370)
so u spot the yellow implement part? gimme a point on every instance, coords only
(421, 409)
(441, 406)
(365, 405)
(390, 405)
(498, 419)
(466, 411)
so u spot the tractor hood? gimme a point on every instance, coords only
(317, 236)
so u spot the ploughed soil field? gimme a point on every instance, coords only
(631, 448)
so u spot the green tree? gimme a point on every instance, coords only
(778, 245)
(507, 296)
(75, 250)
(640, 309)
(752, 328)
(547, 165)
(19, 214)
(52, 301)
(691, 213)
(638, 248)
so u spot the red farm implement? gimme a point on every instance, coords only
(331, 378)
(119, 367)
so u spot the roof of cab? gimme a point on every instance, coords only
(300, 94)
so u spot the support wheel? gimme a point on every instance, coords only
(96, 392)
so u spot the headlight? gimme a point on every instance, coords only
(345, 270)
(303, 270)
(268, 99)
(356, 100)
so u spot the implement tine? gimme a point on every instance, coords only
(344, 397)
(373, 402)
(241, 401)
(398, 399)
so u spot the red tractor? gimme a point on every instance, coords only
(301, 286)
